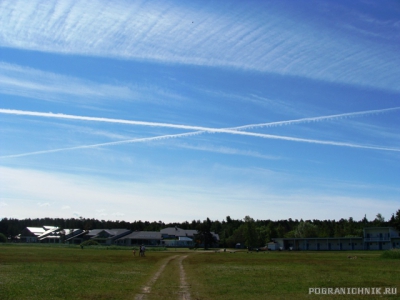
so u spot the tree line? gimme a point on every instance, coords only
(246, 231)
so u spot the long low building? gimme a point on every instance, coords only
(148, 238)
(168, 237)
(320, 243)
(374, 238)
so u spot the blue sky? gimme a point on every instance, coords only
(141, 110)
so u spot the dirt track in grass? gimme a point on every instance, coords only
(183, 290)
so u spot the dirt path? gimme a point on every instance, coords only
(184, 287)
(184, 293)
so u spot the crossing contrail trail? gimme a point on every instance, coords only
(313, 119)
(200, 130)
(161, 137)
(232, 130)
(137, 140)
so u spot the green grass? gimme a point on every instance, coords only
(29, 272)
(68, 272)
(287, 275)
(391, 254)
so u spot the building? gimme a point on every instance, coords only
(74, 236)
(106, 236)
(374, 238)
(381, 238)
(148, 238)
(178, 237)
(50, 234)
(44, 234)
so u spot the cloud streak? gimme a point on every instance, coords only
(246, 37)
(32, 83)
(200, 130)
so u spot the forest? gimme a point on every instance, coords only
(246, 231)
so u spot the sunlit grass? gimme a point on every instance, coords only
(54, 272)
(72, 273)
(286, 275)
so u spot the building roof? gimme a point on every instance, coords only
(176, 231)
(36, 230)
(50, 230)
(42, 232)
(322, 238)
(143, 235)
(179, 232)
(110, 232)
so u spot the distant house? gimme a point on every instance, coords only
(106, 236)
(50, 234)
(381, 238)
(273, 246)
(44, 234)
(320, 243)
(74, 236)
(374, 238)
(175, 233)
(148, 238)
(178, 237)
(239, 246)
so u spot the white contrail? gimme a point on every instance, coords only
(267, 136)
(96, 119)
(138, 140)
(312, 119)
(232, 130)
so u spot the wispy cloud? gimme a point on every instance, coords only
(189, 33)
(200, 130)
(138, 140)
(33, 83)
(227, 150)
(81, 192)
(118, 214)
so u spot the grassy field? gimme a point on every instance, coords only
(54, 272)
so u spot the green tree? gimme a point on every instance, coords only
(3, 238)
(280, 230)
(306, 230)
(238, 236)
(395, 220)
(262, 235)
(270, 232)
(249, 231)
(204, 233)
(379, 220)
